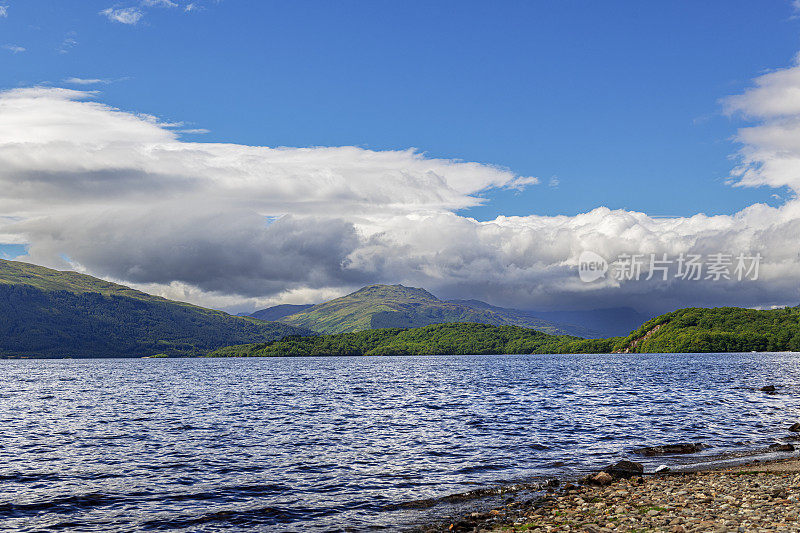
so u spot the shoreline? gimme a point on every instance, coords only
(754, 496)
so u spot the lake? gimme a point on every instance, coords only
(352, 443)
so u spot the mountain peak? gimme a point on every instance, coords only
(393, 291)
(398, 306)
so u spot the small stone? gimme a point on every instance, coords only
(781, 447)
(768, 388)
(662, 469)
(779, 493)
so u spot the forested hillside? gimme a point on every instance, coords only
(444, 339)
(722, 329)
(694, 330)
(47, 313)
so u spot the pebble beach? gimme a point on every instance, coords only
(761, 497)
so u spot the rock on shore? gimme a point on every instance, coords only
(671, 449)
(680, 503)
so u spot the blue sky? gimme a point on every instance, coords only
(135, 146)
(618, 101)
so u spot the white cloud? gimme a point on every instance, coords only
(14, 48)
(133, 14)
(124, 197)
(128, 15)
(521, 182)
(67, 162)
(86, 81)
(770, 153)
(279, 180)
(4, 11)
(195, 131)
(68, 43)
(190, 7)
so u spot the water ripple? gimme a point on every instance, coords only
(335, 444)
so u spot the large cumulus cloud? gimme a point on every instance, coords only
(120, 195)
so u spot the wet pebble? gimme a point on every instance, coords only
(697, 502)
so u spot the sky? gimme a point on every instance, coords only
(243, 154)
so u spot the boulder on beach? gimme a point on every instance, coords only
(778, 447)
(663, 469)
(671, 449)
(768, 388)
(624, 469)
(795, 427)
(600, 478)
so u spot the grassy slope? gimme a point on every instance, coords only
(46, 279)
(48, 313)
(396, 306)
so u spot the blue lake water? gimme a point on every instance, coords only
(335, 444)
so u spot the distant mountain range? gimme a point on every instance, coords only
(48, 313)
(397, 306)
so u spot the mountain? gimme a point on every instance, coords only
(721, 329)
(277, 312)
(48, 313)
(396, 306)
(610, 322)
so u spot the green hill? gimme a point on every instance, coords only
(396, 306)
(437, 339)
(48, 313)
(695, 330)
(722, 329)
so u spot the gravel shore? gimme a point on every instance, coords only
(758, 497)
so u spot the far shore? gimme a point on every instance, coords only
(756, 496)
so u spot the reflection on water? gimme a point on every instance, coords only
(322, 444)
